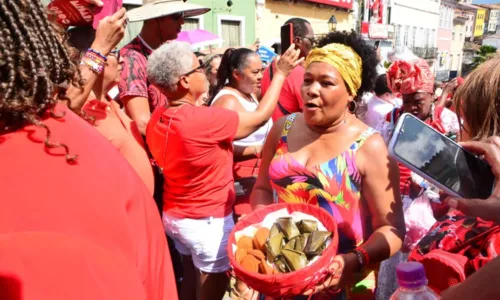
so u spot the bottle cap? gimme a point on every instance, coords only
(411, 275)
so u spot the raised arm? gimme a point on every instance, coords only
(110, 32)
(241, 153)
(251, 121)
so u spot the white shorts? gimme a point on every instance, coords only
(203, 239)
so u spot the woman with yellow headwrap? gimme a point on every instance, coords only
(325, 156)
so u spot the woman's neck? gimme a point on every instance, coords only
(334, 127)
(180, 102)
(100, 92)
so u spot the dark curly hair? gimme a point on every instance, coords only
(366, 52)
(35, 67)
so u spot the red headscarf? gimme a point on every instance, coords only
(407, 78)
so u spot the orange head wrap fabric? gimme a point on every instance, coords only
(407, 78)
(344, 59)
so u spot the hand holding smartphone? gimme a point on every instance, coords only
(286, 37)
(441, 161)
(108, 8)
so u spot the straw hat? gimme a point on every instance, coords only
(152, 9)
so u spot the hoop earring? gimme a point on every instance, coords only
(352, 106)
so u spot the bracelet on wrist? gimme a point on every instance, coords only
(362, 258)
(104, 57)
(94, 62)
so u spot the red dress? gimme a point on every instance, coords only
(99, 199)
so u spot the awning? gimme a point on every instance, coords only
(347, 4)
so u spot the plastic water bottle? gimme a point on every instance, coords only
(412, 283)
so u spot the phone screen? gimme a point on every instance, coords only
(286, 37)
(441, 159)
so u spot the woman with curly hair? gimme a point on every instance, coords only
(325, 156)
(59, 175)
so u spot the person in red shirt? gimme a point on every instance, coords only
(105, 114)
(61, 176)
(193, 146)
(86, 270)
(163, 21)
(290, 100)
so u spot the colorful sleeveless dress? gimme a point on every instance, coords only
(334, 186)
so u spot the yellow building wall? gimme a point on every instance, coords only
(480, 16)
(274, 14)
(456, 49)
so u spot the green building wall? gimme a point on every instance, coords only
(243, 10)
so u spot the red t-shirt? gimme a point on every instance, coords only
(53, 266)
(290, 99)
(193, 145)
(134, 79)
(100, 199)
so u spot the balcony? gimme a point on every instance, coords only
(425, 52)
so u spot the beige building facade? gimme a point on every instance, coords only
(457, 44)
(271, 15)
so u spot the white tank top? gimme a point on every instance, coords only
(258, 137)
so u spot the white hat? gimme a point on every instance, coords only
(152, 9)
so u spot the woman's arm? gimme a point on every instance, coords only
(109, 33)
(482, 285)
(251, 121)
(380, 191)
(242, 153)
(262, 193)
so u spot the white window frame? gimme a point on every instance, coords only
(240, 19)
(201, 21)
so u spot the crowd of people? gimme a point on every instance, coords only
(125, 170)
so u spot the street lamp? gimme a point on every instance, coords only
(332, 23)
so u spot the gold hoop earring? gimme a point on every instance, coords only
(352, 106)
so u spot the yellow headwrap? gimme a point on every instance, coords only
(344, 59)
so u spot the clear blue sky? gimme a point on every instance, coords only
(486, 1)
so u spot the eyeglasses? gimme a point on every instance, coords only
(116, 53)
(197, 69)
(312, 40)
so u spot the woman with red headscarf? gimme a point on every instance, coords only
(415, 82)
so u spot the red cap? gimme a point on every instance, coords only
(72, 13)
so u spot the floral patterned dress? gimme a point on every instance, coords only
(334, 186)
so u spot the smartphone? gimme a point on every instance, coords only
(109, 8)
(286, 37)
(440, 160)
